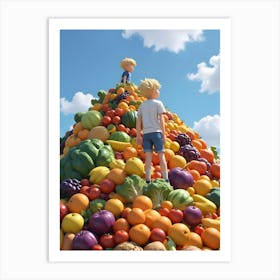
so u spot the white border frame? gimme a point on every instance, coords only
(55, 25)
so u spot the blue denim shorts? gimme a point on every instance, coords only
(153, 139)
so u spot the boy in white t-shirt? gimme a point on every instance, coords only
(151, 121)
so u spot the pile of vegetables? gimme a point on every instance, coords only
(105, 202)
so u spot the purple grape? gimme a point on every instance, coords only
(69, 187)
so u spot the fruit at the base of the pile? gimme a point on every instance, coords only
(98, 174)
(67, 241)
(163, 223)
(136, 216)
(101, 222)
(157, 234)
(91, 119)
(134, 165)
(158, 191)
(121, 236)
(202, 186)
(61, 238)
(99, 132)
(107, 241)
(84, 240)
(204, 204)
(115, 206)
(121, 224)
(143, 202)
(180, 199)
(192, 215)
(211, 238)
(179, 178)
(72, 223)
(77, 203)
(179, 233)
(193, 239)
(97, 247)
(63, 210)
(107, 186)
(175, 215)
(151, 215)
(140, 234)
(155, 246)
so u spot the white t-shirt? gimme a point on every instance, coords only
(150, 111)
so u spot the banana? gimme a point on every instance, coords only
(118, 145)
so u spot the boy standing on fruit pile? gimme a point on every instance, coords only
(151, 121)
(128, 65)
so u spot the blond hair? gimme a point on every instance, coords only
(147, 86)
(126, 61)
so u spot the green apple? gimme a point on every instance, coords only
(72, 223)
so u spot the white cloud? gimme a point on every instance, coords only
(171, 40)
(79, 103)
(209, 129)
(209, 76)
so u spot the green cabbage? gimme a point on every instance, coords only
(158, 191)
(131, 188)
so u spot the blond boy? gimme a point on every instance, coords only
(128, 65)
(151, 121)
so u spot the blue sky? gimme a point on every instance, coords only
(185, 62)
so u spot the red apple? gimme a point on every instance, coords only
(107, 186)
(157, 234)
(93, 192)
(63, 210)
(192, 215)
(97, 247)
(176, 215)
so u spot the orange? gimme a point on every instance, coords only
(195, 174)
(121, 224)
(197, 144)
(211, 238)
(194, 239)
(207, 154)
(136, 216)
(116, 175)
(167, 204)
(78, 202)
(140, 234)
(143, 202)
(150, 216)
(179, 232)
(163, 223)
(115, 206)
(129, 152)
(177, 161)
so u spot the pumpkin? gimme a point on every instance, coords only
(91, 119)
(129, 119)
(99, 132)
(134, 165)
(178, 232)
(120, 136)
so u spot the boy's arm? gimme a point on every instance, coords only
(138, 130)
(162, 126)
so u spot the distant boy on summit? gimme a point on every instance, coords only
(128, 65)
(151, 121)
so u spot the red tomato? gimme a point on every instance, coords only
(106, 120)
(94, 192)
(133, 132)
(110, 113)
(97, 247)
(121, 127)
(176, 215)
(116, 120)
(107, 186)
(121, 236)
(163, 212)
(157, 234)
(107, 241)
(199, 229)
(119, 112)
